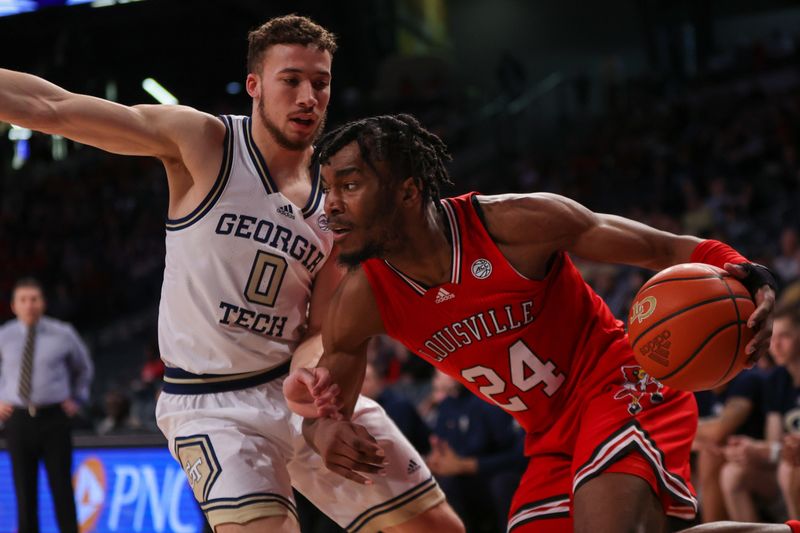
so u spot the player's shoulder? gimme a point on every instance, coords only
(538, 213)
(354, 294)
(527, 204)
(182, 118)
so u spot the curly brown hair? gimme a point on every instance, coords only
(401, 142)
(288, 29)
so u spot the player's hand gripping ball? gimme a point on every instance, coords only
(688, 326)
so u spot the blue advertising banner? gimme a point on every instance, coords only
(116, 489)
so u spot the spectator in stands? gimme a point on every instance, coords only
(735, 408)
(784, 402)
(787, 264)
(117, 421)
(477, 448)
(45, 372)
(399, 409)
(752, 476)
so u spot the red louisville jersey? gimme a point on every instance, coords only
(530, 346)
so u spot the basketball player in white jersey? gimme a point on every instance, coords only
(248, 277)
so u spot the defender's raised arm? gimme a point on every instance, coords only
(176, 133)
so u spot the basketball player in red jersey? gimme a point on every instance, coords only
(484, 289)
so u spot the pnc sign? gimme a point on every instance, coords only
(126, 490)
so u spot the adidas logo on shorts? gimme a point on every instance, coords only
(412, 466)
(443, 296)
(286, 210)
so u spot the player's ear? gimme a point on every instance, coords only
(410, 191)
(252, 85)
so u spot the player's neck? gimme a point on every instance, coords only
(285, 166)
(427, 257)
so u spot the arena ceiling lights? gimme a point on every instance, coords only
(157, 91)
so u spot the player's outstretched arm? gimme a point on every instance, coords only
(353, 318)
(309, 391)
(171, 133)
(558, 223)
(309, 352)
(555, 223)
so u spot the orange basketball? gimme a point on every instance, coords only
(688, 326)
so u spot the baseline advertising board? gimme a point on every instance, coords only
(122, 490)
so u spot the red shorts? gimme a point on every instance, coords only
(633, 428)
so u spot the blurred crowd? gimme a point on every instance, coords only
(717, 158)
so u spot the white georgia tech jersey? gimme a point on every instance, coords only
(239, 268)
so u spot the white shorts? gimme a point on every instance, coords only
(243, 450)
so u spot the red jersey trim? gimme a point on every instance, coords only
(555, 507)
(455, 234)
(416, 287)
(623, 442)
(455, 251)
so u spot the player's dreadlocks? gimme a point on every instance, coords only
(409, 149)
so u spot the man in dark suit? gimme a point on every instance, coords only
(45, 371)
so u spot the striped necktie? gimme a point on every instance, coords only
(26, 370)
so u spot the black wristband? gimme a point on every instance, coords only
(757, 277)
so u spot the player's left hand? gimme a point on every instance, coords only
(347, 448)
(70, 407)
(310, 393)
(760, 284)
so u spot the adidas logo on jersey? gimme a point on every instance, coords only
(412, 466)
(287, 211)
(443, 296)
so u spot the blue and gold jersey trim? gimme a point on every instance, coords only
(257, 158)
(247, 508)
(177, 381)
(398, 509)
(317, 193)
(216, 190)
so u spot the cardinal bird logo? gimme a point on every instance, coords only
(638, 385)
